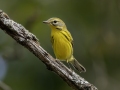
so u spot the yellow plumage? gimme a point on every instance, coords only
(62, 47)
(62, 42)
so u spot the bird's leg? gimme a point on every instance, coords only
(57, 59)
(69, 66)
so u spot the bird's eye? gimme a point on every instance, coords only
(54, 21)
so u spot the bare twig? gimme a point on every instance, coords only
(28, 40)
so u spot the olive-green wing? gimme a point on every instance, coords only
(68, 36)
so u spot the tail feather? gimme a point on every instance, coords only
(77, 65)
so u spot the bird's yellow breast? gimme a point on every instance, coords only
(62, 47)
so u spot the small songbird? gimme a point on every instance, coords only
(62, 42)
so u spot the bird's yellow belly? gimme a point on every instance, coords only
(62, 48)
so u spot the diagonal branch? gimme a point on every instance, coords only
(28, 40)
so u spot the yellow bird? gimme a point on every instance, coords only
(62, 42)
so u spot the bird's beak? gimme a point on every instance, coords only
(46, 22)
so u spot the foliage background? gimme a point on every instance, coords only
(95, 27)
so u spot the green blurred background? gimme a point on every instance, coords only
(95, 27)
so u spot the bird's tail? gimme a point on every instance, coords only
(77, 65)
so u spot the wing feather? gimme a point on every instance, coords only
(68, 36)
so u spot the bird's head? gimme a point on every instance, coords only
(55, 23)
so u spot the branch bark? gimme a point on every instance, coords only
(28, 40)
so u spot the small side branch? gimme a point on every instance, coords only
(28, 40)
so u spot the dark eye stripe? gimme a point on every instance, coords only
(54, 21)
